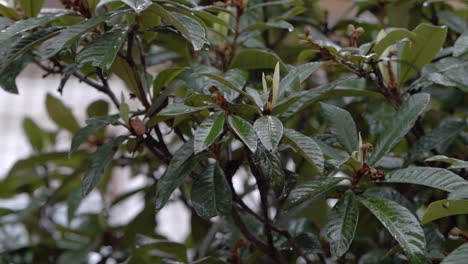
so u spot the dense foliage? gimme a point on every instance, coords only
(349, 136)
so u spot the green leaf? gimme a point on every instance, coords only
(208, 131)
(342, 126)
(8, 76)
(433, 177)
(269, 130)
(187, 26)
(31, 7)
(454, 163)
(162, 248)
(301, 72)
(164, 78)
(458, 256)
(9, 12)
(83, 134)
(98, 162)
(306, 147)
(269, 25)
(342, 223)
(461, 45)
(124, 71)
(459, 194)
(245, 131)
(27, 24)
(251, 59)
(25, 44)
(444, 208)
(453, 21)
(230, 82)
(53, 46)
(102, 51)
(138, 5)
(179, 168)
(269, 165)
(275, 3)
(124, 112)
(438, 139)
(397, 128)
(311, 191)
(98, 108)
(73, 202)
(34, 133)
(180, 109)
(61, 114)
(211, 194)
(401, 224)
(418, 53)
(391, 38)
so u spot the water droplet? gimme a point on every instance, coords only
(290, 29)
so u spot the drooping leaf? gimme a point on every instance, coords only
(397, 128)
(245, 131)
(179, 168)
(27, 24)
(208, 131)
(211, 194)
(401, 224)
(102, 51)
(61, 114)
(454, 163)
(269, 164)
(342, 223)
(311, 190)
(8, 75)
(342, 126)
(444, 208)
(458, 256)
(433, 177)
(187, 26)
(25, 44)
(31, 7)
(418, 53)
(98, 162)
(269, 130)
(301, 72)
(53, 46)
(306, 147)
(249, 59)
(180, 109)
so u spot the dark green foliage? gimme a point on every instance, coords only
(289, 136)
